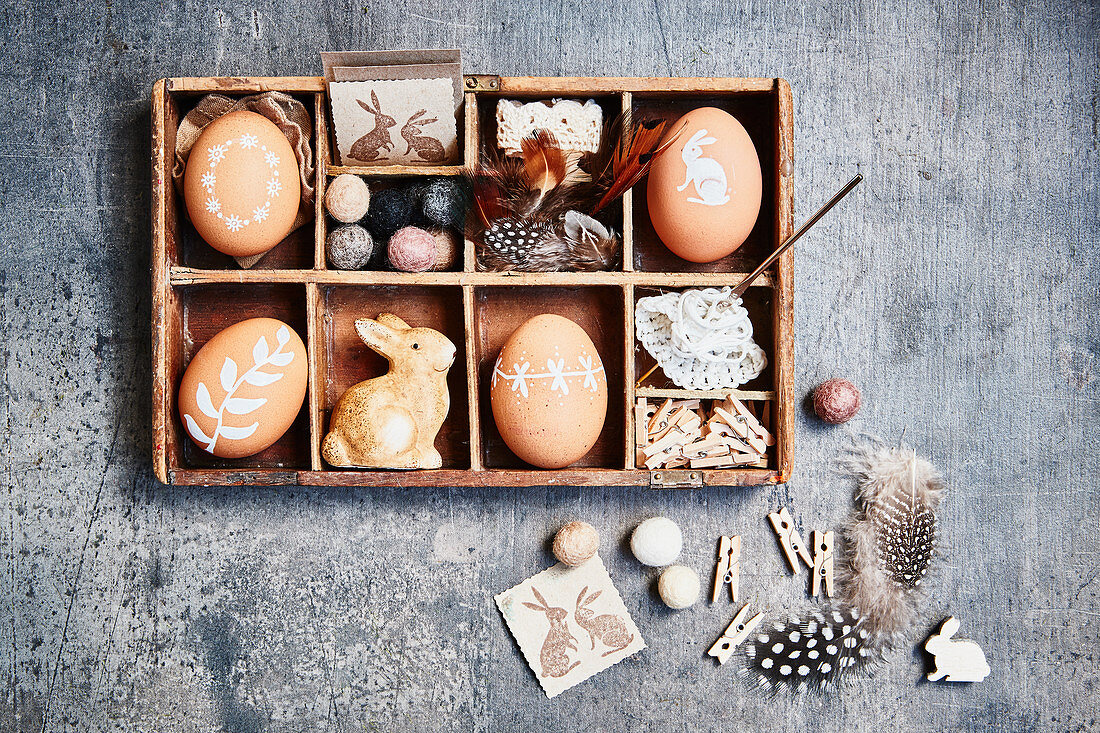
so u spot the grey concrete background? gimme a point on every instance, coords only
(957, 287)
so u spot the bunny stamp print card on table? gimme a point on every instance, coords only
(570, 623)
(395, 121)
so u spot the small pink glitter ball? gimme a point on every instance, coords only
(412, 250)
(837, 401)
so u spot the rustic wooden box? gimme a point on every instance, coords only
(198, 291)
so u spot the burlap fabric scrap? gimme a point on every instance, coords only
(288, 114)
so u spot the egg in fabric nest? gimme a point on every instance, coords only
(704, 190)
(241, 184)
(549, 392)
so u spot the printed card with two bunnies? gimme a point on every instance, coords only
(395, 122)
(570, 624)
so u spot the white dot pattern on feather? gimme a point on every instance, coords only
(818, 649)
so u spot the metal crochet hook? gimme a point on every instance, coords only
(740, 289)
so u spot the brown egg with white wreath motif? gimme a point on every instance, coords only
(704, 190)
(241, 184)
(549, 392)
(244, 388)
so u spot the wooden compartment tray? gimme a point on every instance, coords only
(198, 291)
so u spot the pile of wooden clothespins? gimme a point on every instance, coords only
(682, 433)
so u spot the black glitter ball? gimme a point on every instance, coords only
(443, 202)
(390, 210)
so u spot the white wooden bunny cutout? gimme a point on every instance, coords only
(706, 174)
(957, 660)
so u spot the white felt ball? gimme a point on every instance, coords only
(678, 586)
(656, 542)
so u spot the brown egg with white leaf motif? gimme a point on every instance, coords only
(244, 388)
(241, 184)
(549, 392)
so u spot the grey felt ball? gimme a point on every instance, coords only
(349, 247)
(442, 203)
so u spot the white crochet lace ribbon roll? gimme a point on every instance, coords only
(576, 127)
(702, 339)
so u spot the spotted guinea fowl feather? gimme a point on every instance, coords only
(890, 542)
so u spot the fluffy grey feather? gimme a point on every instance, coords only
(889, 544)
(891, 537)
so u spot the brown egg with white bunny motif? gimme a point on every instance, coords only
(244, 388)
(549, 392)
(241, 184)
(704, 189)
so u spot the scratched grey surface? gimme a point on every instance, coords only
(957, 287)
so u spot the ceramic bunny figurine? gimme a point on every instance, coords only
(391, 421)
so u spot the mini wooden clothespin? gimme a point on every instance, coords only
(643, 412)
(789, 540)
(753, 424)
(823, 562)
(738, 630)
(659, 421)
(728, 569)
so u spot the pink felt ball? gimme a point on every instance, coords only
(412, 250)
(837, 401)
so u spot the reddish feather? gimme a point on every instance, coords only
(630, 163)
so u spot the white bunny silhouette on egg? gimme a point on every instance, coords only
(706, 174)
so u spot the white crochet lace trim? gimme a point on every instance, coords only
(576, 127)
(702, 339)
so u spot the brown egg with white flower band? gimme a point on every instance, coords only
(549, 392)
(244, 388)
(241, 184)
